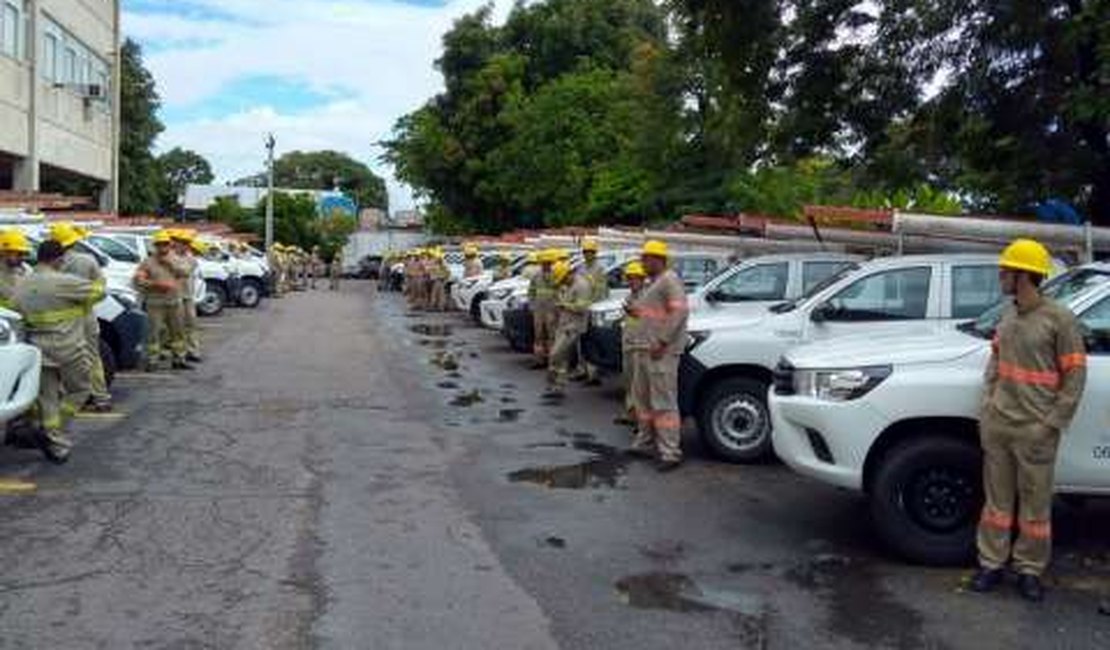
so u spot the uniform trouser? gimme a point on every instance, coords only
(98, 382)
(543, 333)
(63, 385)
(190, 327)
(166, 333)
(439, 296)
(563, 351)
(333, 276)
(655, 398)
(1019, 465)
(627, 369)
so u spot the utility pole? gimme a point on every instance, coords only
(270, 142)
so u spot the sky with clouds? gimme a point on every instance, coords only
(320, 74)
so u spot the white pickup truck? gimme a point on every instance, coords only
(20, 368)
(897, 419)
(727, 369)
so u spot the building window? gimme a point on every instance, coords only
(11, 24)
(50, 57)
(69, 67)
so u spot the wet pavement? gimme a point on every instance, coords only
(342, 473)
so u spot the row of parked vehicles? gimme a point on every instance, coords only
(864, 374)
(226, 278)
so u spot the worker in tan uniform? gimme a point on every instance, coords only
(273, 256)
(1034, 382)
(662, 311)
(14, 249)
(632, 338)
(595, 274)
(185, 244)
(541, 301)
(573, 308)
(54, 306)
(438, 276)
(159, 278)
(315, 266)
(335, 270)
(472, 265)
(504, 267)
(86, 266)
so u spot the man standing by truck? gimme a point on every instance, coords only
(14, 248)
(599, 290)
(184, 241)
(85, 266)
(158, 278)
(1034, 382)
(662, 312)
(541, 300)
(573, 305)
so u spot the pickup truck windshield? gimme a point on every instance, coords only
(1061, 289)
(791, 305)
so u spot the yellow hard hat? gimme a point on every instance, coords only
(198, 246)
(82, 231)
(635, 270)
(562, 254)
(65, 234)
(590, 245)
(14, 241)
(162, 237)
(1027, 255)
(656, 248)
(534, 257)
(182, 234)
(560, 271)
(548, 256)
(470, 251)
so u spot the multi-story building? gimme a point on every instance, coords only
(58, 95)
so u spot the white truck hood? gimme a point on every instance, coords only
(935, 343)
(710, 321)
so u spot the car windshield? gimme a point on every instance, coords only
(791, 305)
(1061, 289)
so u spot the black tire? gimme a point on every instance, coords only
(926, 497)
(215, 299)
(108, 360)
(734, 422)
(250, 294)
(476, 307)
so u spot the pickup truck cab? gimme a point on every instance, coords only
(727, 369)
(897, 419)
(748, 287)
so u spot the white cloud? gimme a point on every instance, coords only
(380, 53)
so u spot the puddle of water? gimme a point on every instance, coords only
(508, 386)
(547, 445)
(555, 542)
(432, 329)
(474, 355)
(467, 399)
(435, 344)
(508, 400)
(509, 415)
(447, 385)
(604, 470)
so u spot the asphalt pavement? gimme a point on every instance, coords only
(342, 473)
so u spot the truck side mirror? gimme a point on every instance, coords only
(821, 313)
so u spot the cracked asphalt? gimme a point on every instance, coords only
(343, 474)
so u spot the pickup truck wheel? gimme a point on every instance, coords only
(108, 360)
(215, 298)
(250, 294)
(926, 497)
(734, 422)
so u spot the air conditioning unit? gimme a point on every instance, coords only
(91, 91)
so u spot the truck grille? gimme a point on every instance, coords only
(783, 378)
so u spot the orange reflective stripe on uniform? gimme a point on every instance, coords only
(1036, 529)
(997, 520)
(1021, 375)
(1069, 362)
(667, 420)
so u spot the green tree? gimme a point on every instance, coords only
(177, 168)
(226, 210)
(140, 126)
(326, 170)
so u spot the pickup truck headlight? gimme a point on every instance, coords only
(606, 318)
(694, 339)
(839, 385)
(8, 332)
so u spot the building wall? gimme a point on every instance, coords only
(74, 133)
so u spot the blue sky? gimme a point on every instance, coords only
(331, 74)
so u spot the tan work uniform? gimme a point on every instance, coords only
(599, 290)
(335, 272)
(662, 312)
(472, 268)
(542, 294)
(573, 306)
(189, 326)
(274, 259)
(54, 307)
(159, 280)
(314, 266)
(1034, 382)
(85, 266)
(437, 277)
(632, 338)
(503, 272)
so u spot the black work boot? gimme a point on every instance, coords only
(666, 466)
(181, 364)
(985, 580)
(1030, 588)
(193, 358)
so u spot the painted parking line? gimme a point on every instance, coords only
(113, 415)
(16, 486)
